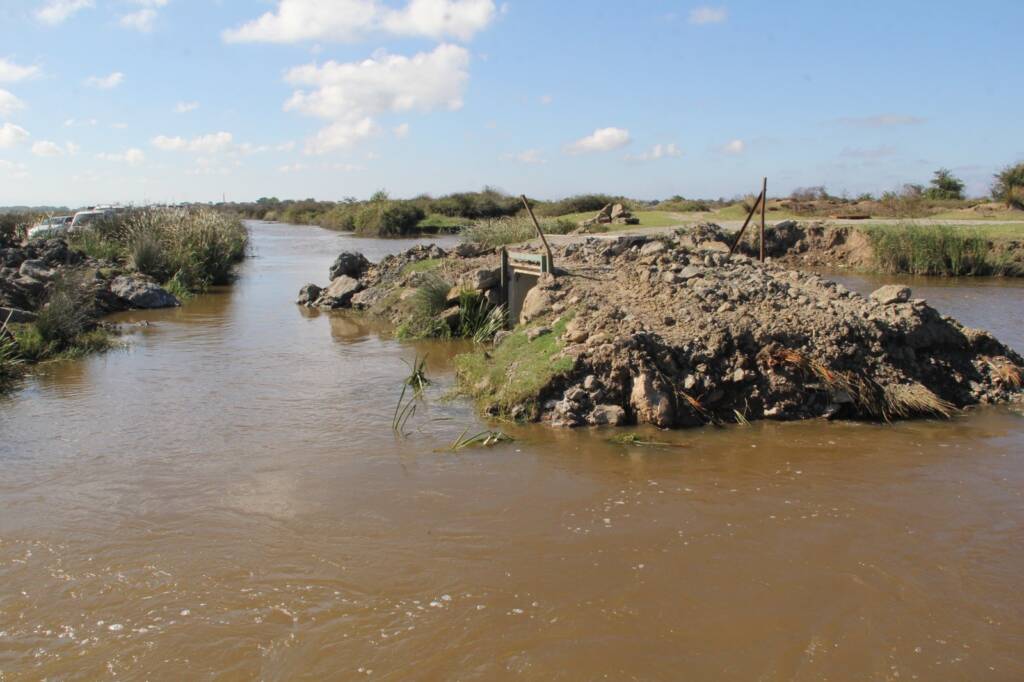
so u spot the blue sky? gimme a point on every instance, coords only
(172, 100)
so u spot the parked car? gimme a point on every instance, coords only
(51, 226)
(86, 218)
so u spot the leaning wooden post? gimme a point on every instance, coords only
(745, 223)
(764, 200)
(540, 232)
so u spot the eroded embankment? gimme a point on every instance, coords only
(674, 332)
(909, 249)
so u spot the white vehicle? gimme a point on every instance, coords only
(50, 227)
(86, 218)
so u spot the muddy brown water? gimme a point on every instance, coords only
(225, 500)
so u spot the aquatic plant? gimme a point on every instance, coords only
(428, 303)
(10, 361)
(417, 379)
(934, 250)
(641, 441)
(483, 439)
(492, 233)
(68, 311)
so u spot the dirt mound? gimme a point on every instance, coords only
(676, 333)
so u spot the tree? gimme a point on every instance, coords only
(1009, 186)
(945, 185)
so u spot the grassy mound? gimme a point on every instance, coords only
(515, 371)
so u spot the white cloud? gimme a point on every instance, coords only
(292, 168)
(141, 21)
(12, 73)
(108, 82)
(401, 130)
(74, 123)
(285, 147)
(708, 15)
(9, 103)
(530, 156)
(658, 151)
(185, 107)
(601, 140)
(56, 11)
(204, 144)
(13, 171)
(11, 135)
(132, 157)
(881, 121)
(350, 20)
(118, 125)
(47, 148)
(734, 147)
(351, 94)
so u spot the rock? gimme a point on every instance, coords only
(669, 277)
(469, 250)
(537, 332)
(536, 304)
(452, 317)
(590, 382)
(454, 294)
(607, 415)
(690, 271)
(651, 405)
(652, 248)
(339, 293)
(308, 295)
(484, 278)
(575, 332)
(36, 269)
(619, 211)
(139, 291)
(891, 293)
(501, 335)
(493, 297)
(349, 264)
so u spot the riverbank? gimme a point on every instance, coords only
(673, 332)
(55, 292)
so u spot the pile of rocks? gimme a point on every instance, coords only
(676, 332)
(27, 274)
(611, 214)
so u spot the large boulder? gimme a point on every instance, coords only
(651, 405)
(308, 295)
(891, 293)
(36, 269)
(340, 292)
(349, 264)
(139, 291)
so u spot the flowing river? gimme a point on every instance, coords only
(224, 499)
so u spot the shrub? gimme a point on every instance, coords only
(582, 203)
(9, 356)
(494, 233)
(428, 303)
(31, 345)
(388, 219)
(1009, 186)
(146, 255)
(67, 313)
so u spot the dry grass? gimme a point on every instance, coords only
(908, 400)
(1005, 372)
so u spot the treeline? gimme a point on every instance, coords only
(386, 217)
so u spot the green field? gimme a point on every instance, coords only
(647, 219)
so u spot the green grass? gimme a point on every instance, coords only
(435, 222)
(935, 250)
(494, 233)
(425, 265)
(514, 372)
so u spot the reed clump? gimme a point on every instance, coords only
(935, 250)
(195, 247)
(492, 233)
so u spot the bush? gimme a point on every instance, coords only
(9, 357)
(582, 203)
(428, 303)
(494, 233)
(197, 247)
(67, 313)
(1009, 186)
(388, 219)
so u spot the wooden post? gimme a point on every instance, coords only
(745, 223)
(540, 232)
(764, 200)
